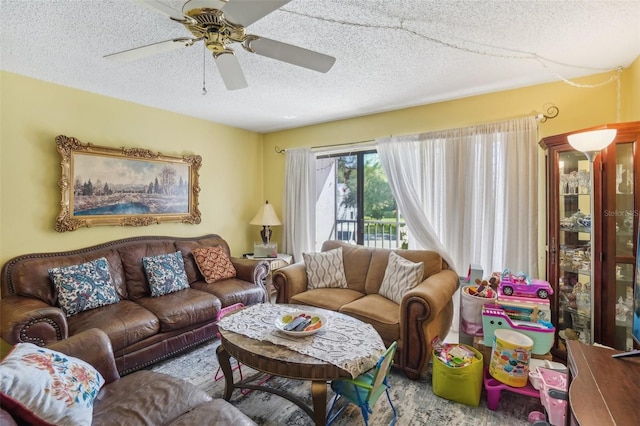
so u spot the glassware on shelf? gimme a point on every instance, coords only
(578, 222)
(583, 301)
(628, 221)
(623, 311)
(566, 223)
(619, 169)
(573, 182)
(626, 183)
(584, 182)
(564, 184)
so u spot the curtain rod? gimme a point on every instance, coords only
(551, 112)
(283, 150)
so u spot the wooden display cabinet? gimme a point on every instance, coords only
(592, 305)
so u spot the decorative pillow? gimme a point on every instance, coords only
(400, 276)
(214, 264)
(85, 286)
(165, 273)
(42, 386)
(325, 269)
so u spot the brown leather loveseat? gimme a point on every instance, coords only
(426, 310)
(142, 329)
(142, 398)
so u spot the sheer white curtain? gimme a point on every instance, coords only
(470, 193)
(299, 202)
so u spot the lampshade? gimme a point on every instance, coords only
(593, 141)
(266, 216)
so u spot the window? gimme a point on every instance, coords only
(355, 202)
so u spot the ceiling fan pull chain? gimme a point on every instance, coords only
(204, 68)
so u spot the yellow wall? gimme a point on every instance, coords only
(579, 108)
(240, 168)
(631, 92)
(34, 112)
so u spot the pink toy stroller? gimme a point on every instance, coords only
(553, 395)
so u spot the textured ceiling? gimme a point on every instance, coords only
(390, 54)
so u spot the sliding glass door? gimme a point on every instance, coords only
(355, 202)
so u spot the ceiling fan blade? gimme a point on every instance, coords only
(230, 70)
(156, 6)
(150, 49)
(292, 54)
(246, 12)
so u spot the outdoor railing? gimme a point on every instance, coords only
(377, 233)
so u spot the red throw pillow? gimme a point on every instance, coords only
(214, 264)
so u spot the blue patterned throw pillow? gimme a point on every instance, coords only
(85, 286)
(165, 273)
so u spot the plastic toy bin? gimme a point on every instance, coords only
(460, 384)
(553, 394)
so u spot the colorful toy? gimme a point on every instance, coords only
(542, 333)
(554, 394)
(521, 285)
(525, 308)
(453, 355)
(486, 289)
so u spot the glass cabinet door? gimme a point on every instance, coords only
(593, 214)
(574, 240)
(624, 214)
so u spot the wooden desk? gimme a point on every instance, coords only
(603, 390)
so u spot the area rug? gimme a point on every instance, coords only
(414, 400)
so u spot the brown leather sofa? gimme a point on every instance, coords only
(426, 310)
(142, 329)
(143, 397)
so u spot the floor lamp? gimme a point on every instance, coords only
(591, 143)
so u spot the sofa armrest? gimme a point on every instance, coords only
(254, 271)
(30, 320)
(426, 312)
(436, 291)
(289, 281)
(92, 346)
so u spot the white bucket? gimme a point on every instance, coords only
(471, 311)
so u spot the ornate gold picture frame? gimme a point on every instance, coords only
(124, 186)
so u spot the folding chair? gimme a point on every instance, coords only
(365, 389)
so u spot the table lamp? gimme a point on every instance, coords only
(266, 217)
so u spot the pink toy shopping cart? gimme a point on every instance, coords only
(553, 395)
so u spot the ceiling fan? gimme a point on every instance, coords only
(219, 24)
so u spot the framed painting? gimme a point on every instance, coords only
(124, 186)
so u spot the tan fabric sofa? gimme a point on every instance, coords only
(143, 329)
(143, 397)
(426, 310)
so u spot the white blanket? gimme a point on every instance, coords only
(345, 342)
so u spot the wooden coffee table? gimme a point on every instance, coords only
(277, 360)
